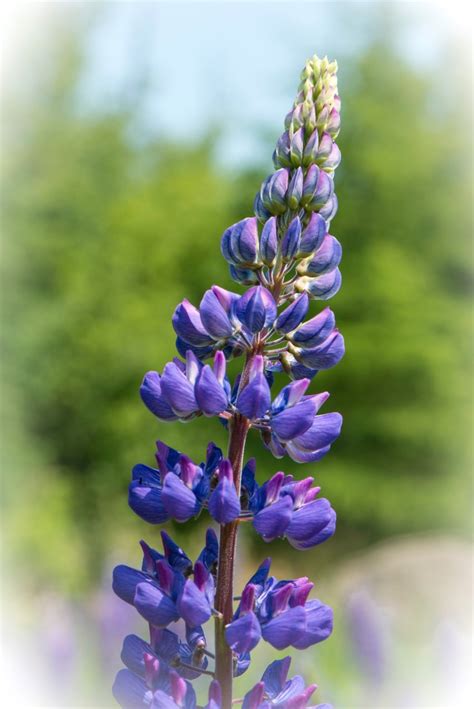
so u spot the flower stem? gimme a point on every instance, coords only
(238, 428)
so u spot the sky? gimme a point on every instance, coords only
(232, 64)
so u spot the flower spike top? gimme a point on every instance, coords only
(284, 260)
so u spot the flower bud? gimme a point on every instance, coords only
(269, 242)
(281, 156)
(295, 189)
(328, 211)
(312, 237)
(292, 316)
(260, 211)
(322, 287)
(310, 184)
(273, 192)
(256, 309)
(325, 355)
(311, 149)
(323, 191)
(291, 240)
(326, 258)
(296, 148)
(239, 243)
(333, 124)
(313, 332)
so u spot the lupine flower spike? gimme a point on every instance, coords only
(286, 257)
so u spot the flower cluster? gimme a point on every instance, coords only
(286, 257)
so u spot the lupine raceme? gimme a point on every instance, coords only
(286, 259)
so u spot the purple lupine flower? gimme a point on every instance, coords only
(275, 690)
(290, 424)
(287, 256)
(287, 508)
(161, 688)
(187, 389)
(286, 616)
(176, 490)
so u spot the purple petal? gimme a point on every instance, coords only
(291, 240)
(293, 421)
(272, 521)
(325, 355)
(254, 400)
(323, 432)
(147, 502)
(125, 581)
(130, 691)
(244, 633)
(313, 235)
(256, 309)
(133, 650)
(178, 391)
(292, 316)
(327, 257)
(325, 286)
(319, 622)
(180, 502)
(300, 455)
(312, 524)
(154, 605)
(313, 332)
(214, 316)
(274, 677)
(269, 242)
(210, 396)
(188, 325)
(285, 629)
(193, 605)
(224, 503)
(254, 697)
(152, 396)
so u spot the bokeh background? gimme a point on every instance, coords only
(133, 134)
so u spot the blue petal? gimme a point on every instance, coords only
(188, 325)
(244, 633)
(193, 605)
(180, 502)
(154, 605)
(210, 395)
(153, 397)
(285, 629)
(125, 581)
(275, 675)
(319, 622)
(292, 316)
(323, 432)
(133, 650)
(254, 400)
(312, 524)
(313, 332)
(272, 521)
(224, 503)
(178, 391)
(326, 355)
(214, 317)
(147, 502)
(293, 421)
(130, 691)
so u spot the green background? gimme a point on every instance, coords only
(104, 234)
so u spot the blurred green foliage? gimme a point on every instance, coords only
(103, 238)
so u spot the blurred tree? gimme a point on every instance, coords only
(102, 239)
